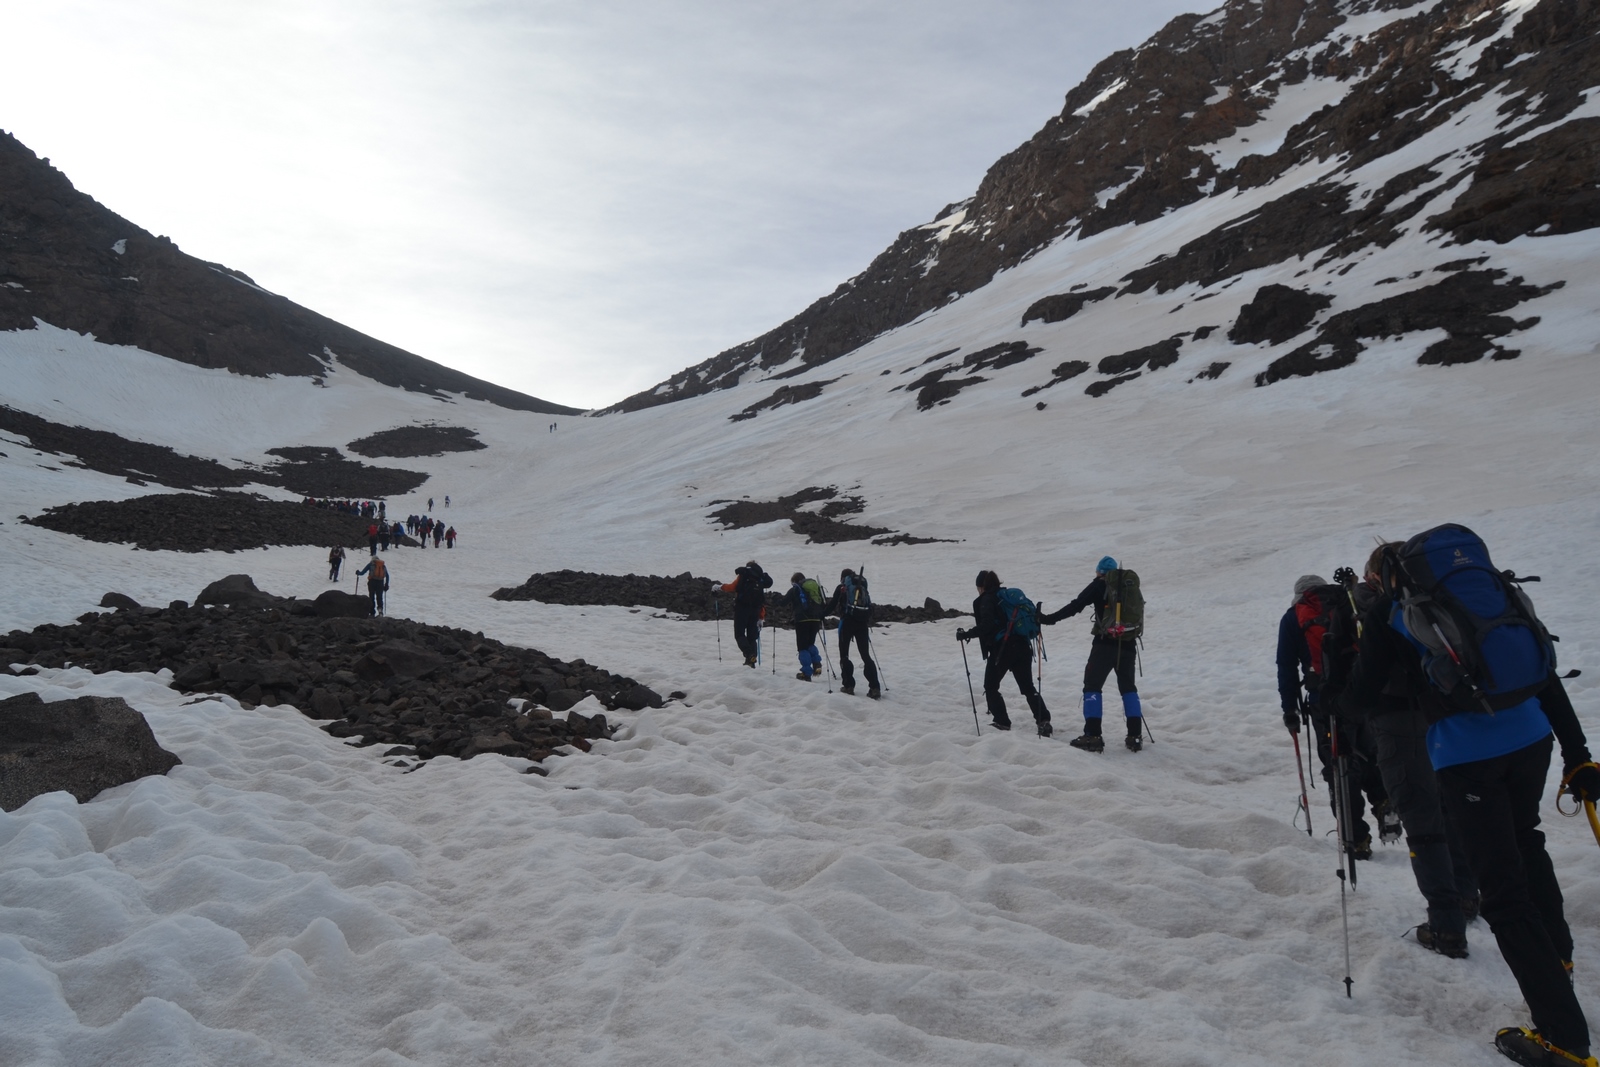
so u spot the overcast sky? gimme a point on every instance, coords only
(576, 198)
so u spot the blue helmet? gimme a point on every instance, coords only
(1106, 564)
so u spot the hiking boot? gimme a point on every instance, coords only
(1522, 1045)
(1470, 906)
(1445, 944)
(1045, 729)
(1134, 744)
(1361, 849)
(874, 692)
(1389, 828)
(803, 676)
(1089, 742)
(749, 661)
(848, 690)
(1000, 724)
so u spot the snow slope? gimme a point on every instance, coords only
(766, 872)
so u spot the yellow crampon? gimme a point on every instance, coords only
(1519, 1042)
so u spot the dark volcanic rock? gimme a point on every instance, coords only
(111, 453)
(78, 266)
(81, 746)
(386, 680)
(821, 526)
(785, 394)
(322, 472)
(119, 601)
(1063, 306)
(934, 388)
(1276, 314)
(1154, 357)
(1464, 305)
(335, 604)
(409, 441)
(188, 522)
(694, 598)
(1063, 372)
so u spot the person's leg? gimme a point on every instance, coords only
(994, 669)
(868, 667)
(847, 670)
(1021, 667)
(805, 637)
(1127, 686)
(1490, 801)
(1413, 790)
(1102, 660)
(1527, 772)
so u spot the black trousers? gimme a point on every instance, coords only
(1013, 657)
(1106, 656)
(855, 630)
(333, 569)
(747, 630)
(1495, 802)
(805, 633)
(1438, 856)
(375, 591)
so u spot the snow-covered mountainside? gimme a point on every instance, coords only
(1335, 171)
(67, 261)
(764, 871)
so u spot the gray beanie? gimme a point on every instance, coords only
(1307, 582)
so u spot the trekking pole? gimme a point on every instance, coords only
(872, 650)
(774, 630)
(1042, 658)
(1341, 793)
(824, 643)
(1346, 858)
(970, 694)
(1305, 802)
(717, 607)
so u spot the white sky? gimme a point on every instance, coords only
(572, 199)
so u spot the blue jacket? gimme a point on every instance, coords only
(1294, 659)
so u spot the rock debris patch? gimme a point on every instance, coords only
(322, 471)
(410, 441)
(686, 596)
(430, 690)
(190, 522)
(820, 525)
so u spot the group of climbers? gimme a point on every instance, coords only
(850, 606)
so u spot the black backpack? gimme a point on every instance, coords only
(856, 599)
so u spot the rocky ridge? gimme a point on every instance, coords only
(428, 690)
(1135, 142)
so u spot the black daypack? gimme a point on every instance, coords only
(1122, 618)
(1483, 646)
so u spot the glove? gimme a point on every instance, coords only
(1583, 782)
(962, 635)
(1291, 721)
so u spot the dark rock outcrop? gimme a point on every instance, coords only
(1063, 306)
(412, 441)
(188, 522)
(321, 471)
(784, 394)
(70, 262)
(110, 453)
(82, 746)
(1275, 314)
(436, 690)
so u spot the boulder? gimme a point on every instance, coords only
(119, 601)
(335, 604)
(562, 699)
(236, 590)
(81, 746)
(638, 698)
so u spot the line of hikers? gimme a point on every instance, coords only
(1430, 688)
(1006, 627)
(366, 509)
(423, 527)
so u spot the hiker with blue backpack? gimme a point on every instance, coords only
(1006, 626)
(852, 603)
(1118, 624)
(1488, 687)
(809, 606)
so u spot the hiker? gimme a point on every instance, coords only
(430, 503)
(383, 510)
(383, 536)
(1496, 708)
(1118, 623)
(438, 533)
(446, 501)
(1393, 707)
(424, 526)
(810, 607)
(1005, 628)
(853, 605)
(335, 561)
(396, 533)
(377, 573)
(450, 535)
(749, 608)
(1302, 633)
(372, 539)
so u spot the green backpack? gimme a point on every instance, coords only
(1123, 616)
(813, 604)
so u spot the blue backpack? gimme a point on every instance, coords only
(1022, 618)
(1483, 646)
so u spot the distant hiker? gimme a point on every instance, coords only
(1007, 623)
(438, 533)
(447, 501)
(853, 605)
(377, 573)
(430, 503)
(1303, 633)
(372, 539)
(805, 597)
(383, 509)
(1118, 624)
(450, 534)
(396, 533)
(424, 527)
(383, 536)
(749, 608)
(1494, 699)
(335, 561)
(1393, 707)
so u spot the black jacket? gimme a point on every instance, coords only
(990, 624)
(749, 594)
(1093, 594)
